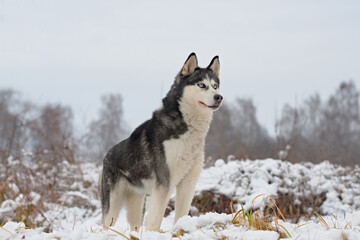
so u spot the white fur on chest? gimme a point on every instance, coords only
(183, 153)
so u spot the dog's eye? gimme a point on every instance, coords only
(201, 85)
(215, 86)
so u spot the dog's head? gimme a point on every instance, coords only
(199, 87)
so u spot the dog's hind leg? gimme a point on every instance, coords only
(115, 202)
(134, 206)
(185, 191)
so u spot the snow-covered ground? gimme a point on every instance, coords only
(242, 180)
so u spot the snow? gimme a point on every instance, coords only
(251, 182)
(248, 179)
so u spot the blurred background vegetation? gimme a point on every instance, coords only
(43, 154)
(314, 130)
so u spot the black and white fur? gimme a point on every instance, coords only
(163, 153)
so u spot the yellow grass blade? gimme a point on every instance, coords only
(287, 232)
(301, 225)
(231, 208)
(343, 236)
(74, 223)
(115, 232)
(7, 231)
(322, 221)
(273, 203)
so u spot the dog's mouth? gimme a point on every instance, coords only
(215, 106)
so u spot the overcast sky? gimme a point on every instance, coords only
(274, 52)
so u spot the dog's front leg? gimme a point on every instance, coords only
(159, 199)
(185, 191)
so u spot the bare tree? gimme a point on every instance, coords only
(318, 131)
(13, 113)
(108, 130)
(219, 139)
(52, 134)
(290, 129)
(252, 139)
(340, 131)
(235, 130)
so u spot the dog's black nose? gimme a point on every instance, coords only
(218, 98)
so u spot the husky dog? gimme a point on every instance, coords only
(164, 152)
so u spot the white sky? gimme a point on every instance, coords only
(274, 52)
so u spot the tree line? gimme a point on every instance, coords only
(47, 132)
(315, 130)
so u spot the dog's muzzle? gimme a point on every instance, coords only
(218, 99)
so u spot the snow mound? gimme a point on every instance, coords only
(247, 179)
(77, 214)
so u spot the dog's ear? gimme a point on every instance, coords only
(190, 65)
(215, 66)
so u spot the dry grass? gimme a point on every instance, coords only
(207, 201)
(259, 222)
(179, 233)
(336, 225)
(121, 234)
(292, 211)
(3, 190)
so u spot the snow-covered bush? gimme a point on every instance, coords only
(299, 189)
(30, 188)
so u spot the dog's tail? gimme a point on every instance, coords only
(100, 185)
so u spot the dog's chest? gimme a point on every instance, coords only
(182, 153)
